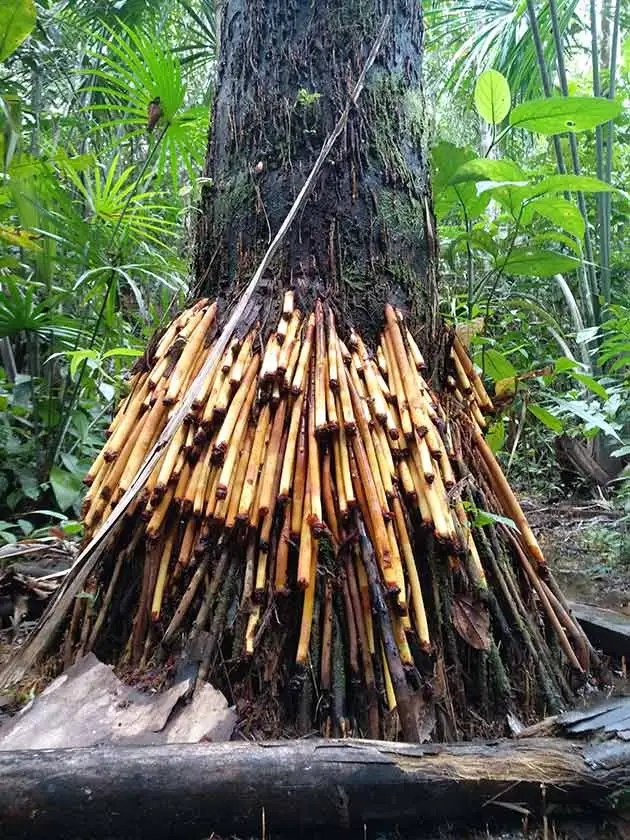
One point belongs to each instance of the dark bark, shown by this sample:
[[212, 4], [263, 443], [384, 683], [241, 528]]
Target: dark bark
[[194, 790], [365, 235], [608, 630]]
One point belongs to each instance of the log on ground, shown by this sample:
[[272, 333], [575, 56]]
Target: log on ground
[[608, 630], [193, 790]]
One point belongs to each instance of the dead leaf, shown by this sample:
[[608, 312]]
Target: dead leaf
[[505, 387], [472, 621], [468, 330]]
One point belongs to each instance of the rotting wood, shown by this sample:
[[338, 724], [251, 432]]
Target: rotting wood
[[607, 630], [197, 790]]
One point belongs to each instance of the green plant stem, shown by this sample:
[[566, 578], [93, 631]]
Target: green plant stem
[[499, 275], [564, 87], [610, 132], [67, 410], [544, 75], [599, 143]]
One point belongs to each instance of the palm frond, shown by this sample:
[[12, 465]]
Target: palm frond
[[493, 33]]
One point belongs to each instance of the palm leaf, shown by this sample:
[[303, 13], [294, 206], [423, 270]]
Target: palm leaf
[[493, 33]]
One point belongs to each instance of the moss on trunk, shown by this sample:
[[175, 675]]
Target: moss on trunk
[[364, 237]]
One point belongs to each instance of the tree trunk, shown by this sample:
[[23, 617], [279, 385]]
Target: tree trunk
[[195, 791], [365, 237], [310, 541]]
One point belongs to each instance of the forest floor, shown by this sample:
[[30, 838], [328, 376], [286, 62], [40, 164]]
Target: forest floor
[[587, 545]]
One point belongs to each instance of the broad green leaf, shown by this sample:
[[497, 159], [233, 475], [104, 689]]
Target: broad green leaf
[[495, 436], [496, 366], [623, 361], [17, 21], [550, 420], [26, 526], [592, 384], [484, 240], [509, 196], [556, 237], [486, 169], [133, 352], [590, 417], [79, 356], [485, 517], [492, 96], [446, 158], [563, 364], [477, 240], [66, 487], [513, 194], [569, 183], [72, 528], [561, 212], [564, 113], [530, 262], [30, 485]]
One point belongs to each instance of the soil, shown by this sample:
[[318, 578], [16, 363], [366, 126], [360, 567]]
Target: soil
[[587, 545]]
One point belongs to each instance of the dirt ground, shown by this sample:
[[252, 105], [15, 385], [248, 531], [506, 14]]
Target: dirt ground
[[587, 545]]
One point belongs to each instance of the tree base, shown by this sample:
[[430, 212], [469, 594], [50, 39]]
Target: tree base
[[325, 538]]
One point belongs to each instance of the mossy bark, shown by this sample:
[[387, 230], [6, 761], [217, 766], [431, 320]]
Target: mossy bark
[[365, 237]]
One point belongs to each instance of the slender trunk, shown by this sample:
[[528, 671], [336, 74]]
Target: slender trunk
[[604, 47], [365, 237]]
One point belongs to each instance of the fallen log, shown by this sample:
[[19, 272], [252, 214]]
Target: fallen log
[[194, 790], [607, 630]]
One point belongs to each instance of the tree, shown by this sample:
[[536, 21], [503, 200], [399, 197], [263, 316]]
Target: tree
[[323, 536], [366, 237]]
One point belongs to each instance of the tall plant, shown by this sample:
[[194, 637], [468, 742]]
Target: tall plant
[[516, 229]]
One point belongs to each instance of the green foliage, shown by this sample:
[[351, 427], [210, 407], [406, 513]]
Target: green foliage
[[135, 69], [550, 420], [306, 98], [492, 97], [92, 211], [559, 114], [555, 347], [17, 21], [561, 213], [470, 36], [527, 261]]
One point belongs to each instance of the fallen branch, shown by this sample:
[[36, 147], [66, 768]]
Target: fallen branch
[[195, 790]]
